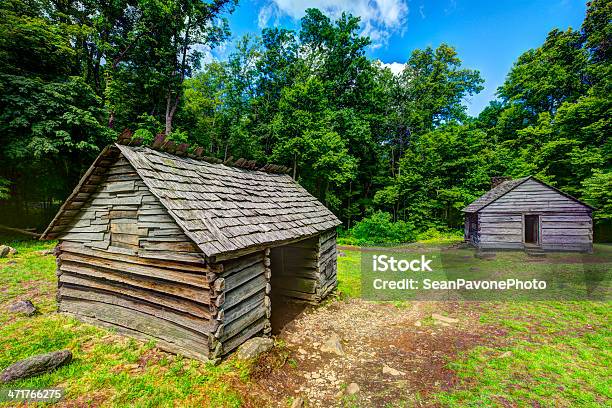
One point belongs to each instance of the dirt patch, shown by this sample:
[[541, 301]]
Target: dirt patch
[[412, 347]]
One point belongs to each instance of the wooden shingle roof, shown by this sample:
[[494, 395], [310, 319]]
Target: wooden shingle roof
[[225, 209], [493, 194], [507, 186]]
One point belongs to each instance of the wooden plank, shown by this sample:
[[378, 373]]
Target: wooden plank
[[243, 336], [294, 283], [118, 186], [238, 278], [145, 270], [178, 246], [587, 232], [173, 256], [565, 225], [567, 218], [79, 249], [83, 236], [243, 322], [244, 291], [181, 305], [129, 214], [204, 326], [241, 308], [169, 288], [130, 227], [137, 321], [125, 239], [238, 264]]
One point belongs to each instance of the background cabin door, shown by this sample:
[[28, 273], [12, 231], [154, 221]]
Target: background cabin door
[[532, 229]]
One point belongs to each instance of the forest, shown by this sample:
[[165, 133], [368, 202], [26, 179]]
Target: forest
[[392, 153]]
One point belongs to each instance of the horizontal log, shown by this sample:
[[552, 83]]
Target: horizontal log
[[244, 291], [169, 288], [238, 278], [178, 246], [565, 225], [587, 232], [236, 265], [148, 325], [200, 325], [232, 329], [294, 284], [257, 327], [80, 249], [187, 257], [567, 218], [187, 278], [244, 306], [182, 305]]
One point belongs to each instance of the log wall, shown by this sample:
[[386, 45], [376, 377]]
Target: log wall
[[565, 225], [123, 263]]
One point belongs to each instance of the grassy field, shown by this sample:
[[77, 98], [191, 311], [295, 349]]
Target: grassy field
[[551, 354]]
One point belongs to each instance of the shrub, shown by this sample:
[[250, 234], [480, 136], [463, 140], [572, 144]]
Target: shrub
[[379, 229]]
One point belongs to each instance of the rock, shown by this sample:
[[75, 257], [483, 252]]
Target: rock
[[22, 306], [444, 319], [418, 323], [45, 252], [254, 347], [341, 254], [505, 355], [333, 345], [39, 364], [12, 251], [298, 402], [4, 251], [352, 389], [392, 371]]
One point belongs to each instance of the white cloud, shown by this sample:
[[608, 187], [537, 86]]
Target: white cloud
[[395, 67], [379, 18], [422, 11]]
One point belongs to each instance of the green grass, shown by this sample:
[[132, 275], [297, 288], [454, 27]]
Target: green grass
[[559, 352], [107, 369]]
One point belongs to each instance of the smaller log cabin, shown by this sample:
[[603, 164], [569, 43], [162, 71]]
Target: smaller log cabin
[[188, 252], [527, 213]]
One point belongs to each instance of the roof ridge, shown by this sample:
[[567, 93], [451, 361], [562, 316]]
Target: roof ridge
[[162, 144]]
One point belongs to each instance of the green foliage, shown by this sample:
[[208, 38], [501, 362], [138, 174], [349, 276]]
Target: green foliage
[[379, 229], [598, 193], [4, 188]]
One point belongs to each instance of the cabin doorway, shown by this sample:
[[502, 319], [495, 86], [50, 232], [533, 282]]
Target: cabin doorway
[[532, 230], [293, 267]]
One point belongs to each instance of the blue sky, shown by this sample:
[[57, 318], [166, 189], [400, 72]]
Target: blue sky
[[488, 35]]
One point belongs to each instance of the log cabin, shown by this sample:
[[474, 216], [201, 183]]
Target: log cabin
[[528, 214], [187, 252]]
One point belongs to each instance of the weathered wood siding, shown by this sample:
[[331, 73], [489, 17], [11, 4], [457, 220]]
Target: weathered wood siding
[[567, 231], [565, 224], [124, 263], [244, 304]]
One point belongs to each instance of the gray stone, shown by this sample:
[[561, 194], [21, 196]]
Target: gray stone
[[4, 251], [12, 251], [22, 306], [352, 389], [444, 319], [298, 402], [333, 345], [391, 371], [36, 365], [254, 347]]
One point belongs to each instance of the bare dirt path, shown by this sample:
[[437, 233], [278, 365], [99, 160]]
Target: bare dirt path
[[396, 354]]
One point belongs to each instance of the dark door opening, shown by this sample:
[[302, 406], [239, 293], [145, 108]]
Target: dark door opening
[[532, 229]]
